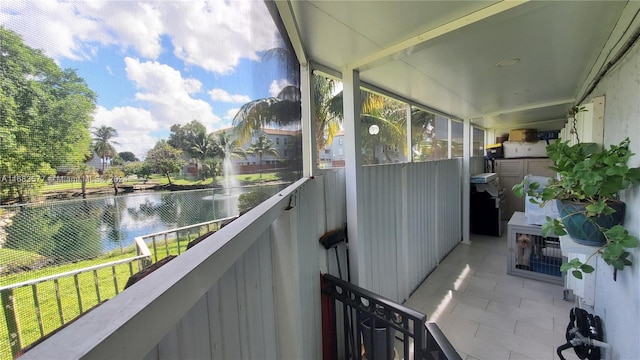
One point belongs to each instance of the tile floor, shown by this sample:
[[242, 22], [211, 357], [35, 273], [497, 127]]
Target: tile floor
[[487, 314]]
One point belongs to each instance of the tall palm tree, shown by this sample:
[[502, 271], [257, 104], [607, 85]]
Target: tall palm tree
[[262, 146], [102, 143], [284, 109], [203, 146], [228, 147]]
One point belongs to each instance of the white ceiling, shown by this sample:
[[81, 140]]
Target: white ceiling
[[443, 54]]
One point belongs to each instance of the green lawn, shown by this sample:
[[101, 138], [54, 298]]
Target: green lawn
[[108, 285], [110, 280]]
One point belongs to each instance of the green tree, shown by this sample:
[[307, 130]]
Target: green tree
[[262, 146], [203, 146], [128, 156], [211, 168], [183, 137], [84, 172], [45, 113], [228, 147], [165, 159], [114, 175], [282, 110], [102, 143], [32, 229], [248, 201], [139, 168], [79, 234]]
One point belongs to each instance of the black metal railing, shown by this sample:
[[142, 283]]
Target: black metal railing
[[374, 328]]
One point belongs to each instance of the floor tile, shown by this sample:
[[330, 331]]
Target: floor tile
[[488, 314], [515, 343]]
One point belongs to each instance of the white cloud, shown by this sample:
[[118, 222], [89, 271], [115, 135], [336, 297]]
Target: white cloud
[[216, 35], [223, 96], [133, 126], [211, 35], [277, 86], [168, 94]]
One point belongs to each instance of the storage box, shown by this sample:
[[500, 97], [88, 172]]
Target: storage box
[[518, 149], [548, 135], [495, 151], [524, 135]]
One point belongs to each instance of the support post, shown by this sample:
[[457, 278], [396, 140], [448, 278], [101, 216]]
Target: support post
[[11, 318], [354, 177], [466, 186]]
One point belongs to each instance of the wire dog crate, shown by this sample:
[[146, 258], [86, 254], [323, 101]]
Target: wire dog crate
[[530, 254]]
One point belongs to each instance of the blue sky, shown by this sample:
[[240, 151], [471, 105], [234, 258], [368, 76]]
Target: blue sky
[[156, 63]]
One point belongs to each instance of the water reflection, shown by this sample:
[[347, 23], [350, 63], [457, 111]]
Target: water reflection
[[126, 217]]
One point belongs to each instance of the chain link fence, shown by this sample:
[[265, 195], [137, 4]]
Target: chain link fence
[[53, 237]]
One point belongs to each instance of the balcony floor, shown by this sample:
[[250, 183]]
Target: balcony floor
[[487, 314]]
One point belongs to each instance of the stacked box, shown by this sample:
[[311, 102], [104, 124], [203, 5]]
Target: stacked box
[[522, 135]]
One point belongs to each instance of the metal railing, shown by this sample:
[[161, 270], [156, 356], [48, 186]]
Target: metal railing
[[175, 241], [164, 243], [65, 310], [373, 327]]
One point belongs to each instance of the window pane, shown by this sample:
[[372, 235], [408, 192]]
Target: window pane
[[129, 96], [457, 143], [478, 142], [383, 129], [328, 117], [429, 136]]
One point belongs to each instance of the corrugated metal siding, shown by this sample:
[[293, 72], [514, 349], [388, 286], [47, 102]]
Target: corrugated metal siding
[[449, 185], [382, 209], [236, 318], [422, 245], [413, 219], [332, 216]]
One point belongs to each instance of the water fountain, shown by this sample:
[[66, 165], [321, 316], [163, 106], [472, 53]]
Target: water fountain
[[230, 187]]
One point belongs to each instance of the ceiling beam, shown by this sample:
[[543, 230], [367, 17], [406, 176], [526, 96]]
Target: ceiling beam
[[527, 107], [393, 51]]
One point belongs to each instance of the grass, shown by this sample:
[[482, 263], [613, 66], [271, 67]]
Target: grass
[[108, 284], [12, 258]]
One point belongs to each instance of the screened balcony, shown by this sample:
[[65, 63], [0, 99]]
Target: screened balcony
[[252, 289]]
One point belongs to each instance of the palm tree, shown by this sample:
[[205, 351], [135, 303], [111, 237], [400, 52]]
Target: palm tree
[[102, 143], [228, 147], [284, 109], [203, 146], [84, 172], [391, 118], [262, 146]]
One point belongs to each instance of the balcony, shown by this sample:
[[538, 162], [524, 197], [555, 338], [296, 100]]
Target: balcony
[[252, 289]]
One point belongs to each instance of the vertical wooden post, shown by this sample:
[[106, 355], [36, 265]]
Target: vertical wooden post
[[11, 317]]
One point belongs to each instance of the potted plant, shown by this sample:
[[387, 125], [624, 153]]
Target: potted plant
[[587, 194]]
